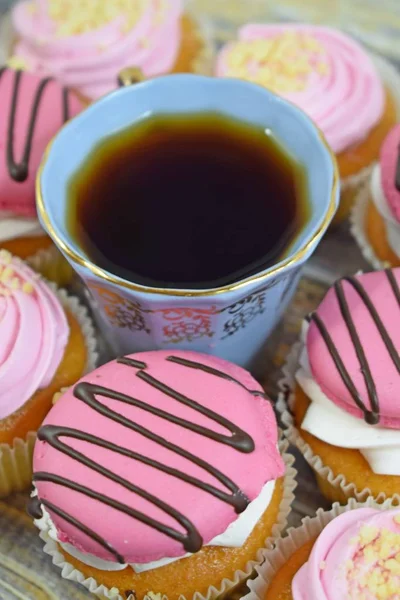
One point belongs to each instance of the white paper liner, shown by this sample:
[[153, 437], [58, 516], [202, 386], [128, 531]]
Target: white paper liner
[[204, 61], [69, 572], [297, 537], [357, 228], [284, 405], [52, 265], [16, 459], [391, 79]]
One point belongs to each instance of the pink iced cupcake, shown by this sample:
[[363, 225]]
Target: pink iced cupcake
[[33, 109], [160, 472], [47, 342], [85, 46], [349, 553], [342, 384], [353, 99], [376, 216]]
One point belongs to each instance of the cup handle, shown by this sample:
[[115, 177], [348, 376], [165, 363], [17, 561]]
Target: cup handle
[[130, 76]]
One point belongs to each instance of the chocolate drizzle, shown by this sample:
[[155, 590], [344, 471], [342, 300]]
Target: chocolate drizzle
[[393, 284], [195, 365], [87, 393], [371, 413], [34, 508], [397, 173], [19, 171]]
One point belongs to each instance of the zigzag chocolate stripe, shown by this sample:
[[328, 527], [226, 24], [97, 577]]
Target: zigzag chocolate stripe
[[371, 414], [87, 392], [20, 171]]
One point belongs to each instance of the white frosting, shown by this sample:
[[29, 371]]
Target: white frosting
[[331, 424], [12, 227], [234, 537], [391, 224]]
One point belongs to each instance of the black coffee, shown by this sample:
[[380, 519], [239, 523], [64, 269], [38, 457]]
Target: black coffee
[[191, 201]]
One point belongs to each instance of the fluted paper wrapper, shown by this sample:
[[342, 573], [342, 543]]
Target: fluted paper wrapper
[[52, 265], [357, 221], [334, 487], [203, 64], [16, 459], [227, 585], [296, 538]]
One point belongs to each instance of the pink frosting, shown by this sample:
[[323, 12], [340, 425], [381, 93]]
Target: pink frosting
[[90, 62], [134, 540], [356, 555], [19, 196], [383, 369], [345, 98], [389, 158], [33, 332]]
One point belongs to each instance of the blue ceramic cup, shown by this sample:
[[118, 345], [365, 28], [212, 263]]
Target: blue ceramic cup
[[233, 321]]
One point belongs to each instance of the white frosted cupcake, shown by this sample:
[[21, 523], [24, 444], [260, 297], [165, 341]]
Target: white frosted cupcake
[[339, 400], [161, 473], [376, 216]]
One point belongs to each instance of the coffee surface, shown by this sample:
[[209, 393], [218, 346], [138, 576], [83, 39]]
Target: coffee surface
[[193, 201]]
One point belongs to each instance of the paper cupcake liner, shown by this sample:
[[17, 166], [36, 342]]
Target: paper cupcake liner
[[203, 64], [334, 487], [52, 265], [16, 458], [357, 228], [310, 529], [227, 585]]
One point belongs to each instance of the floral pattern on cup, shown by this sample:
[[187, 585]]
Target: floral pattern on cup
[[120, 311], [187, 324]]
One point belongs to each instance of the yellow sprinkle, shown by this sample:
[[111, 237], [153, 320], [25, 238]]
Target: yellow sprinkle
[[5, 256], [27, 287], [15, 283], [322, 565], [4, 291], [281, 63], [59, 395], [393, 566], [7, 274], [17, 63], [323, 68], [368, 534], [76, 17]]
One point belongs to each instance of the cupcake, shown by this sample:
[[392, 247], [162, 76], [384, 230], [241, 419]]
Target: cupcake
[[85, 49], [46, 343], [32, 111], [349, 553], [330, 77], [376, 215], [160, 473], [341, 386]]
